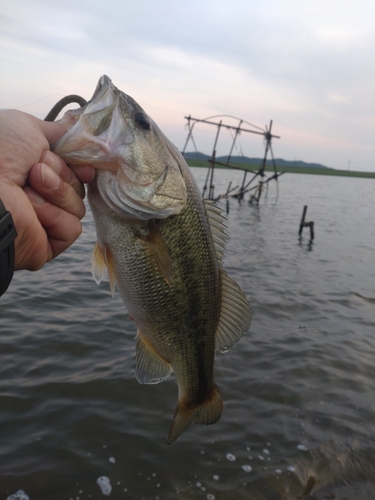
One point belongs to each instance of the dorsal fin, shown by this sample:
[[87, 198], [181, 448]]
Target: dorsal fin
[[216, 219], [235, 314]]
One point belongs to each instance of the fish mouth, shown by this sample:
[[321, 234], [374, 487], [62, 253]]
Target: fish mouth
[[96, 132], [102, 86], [137, 175]]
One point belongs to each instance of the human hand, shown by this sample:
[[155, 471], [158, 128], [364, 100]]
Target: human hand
[[37, 187]]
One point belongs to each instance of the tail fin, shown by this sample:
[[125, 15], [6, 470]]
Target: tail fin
[[206, 413]]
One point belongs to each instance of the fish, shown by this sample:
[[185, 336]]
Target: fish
[[161, 246]]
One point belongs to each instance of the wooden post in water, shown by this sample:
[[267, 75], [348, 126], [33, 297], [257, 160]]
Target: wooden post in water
[[302, 220], [306, 224]]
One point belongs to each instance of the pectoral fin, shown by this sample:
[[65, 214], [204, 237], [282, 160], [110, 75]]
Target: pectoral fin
[[158, 250], [150, 367], [102, 262]]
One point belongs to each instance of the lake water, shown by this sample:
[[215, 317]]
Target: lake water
[[299, 388]]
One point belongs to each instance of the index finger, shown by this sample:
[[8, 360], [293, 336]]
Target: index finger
[[61, 168]]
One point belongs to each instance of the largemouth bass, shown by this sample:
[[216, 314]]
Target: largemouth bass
[[162, 247]]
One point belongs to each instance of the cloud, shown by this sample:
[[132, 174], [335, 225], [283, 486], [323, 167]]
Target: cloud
[[308, 66]]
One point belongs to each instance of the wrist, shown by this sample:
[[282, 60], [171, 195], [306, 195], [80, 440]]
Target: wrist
[[8, 234], [8, 195]]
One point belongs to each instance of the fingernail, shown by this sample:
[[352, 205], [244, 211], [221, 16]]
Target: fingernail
[[92, 173], [51, 181], [85, 173], [52, 160]]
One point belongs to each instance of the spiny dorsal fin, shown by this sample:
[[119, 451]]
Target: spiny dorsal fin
[[235, 314], [216, 219], [158, 249], [150, 368]]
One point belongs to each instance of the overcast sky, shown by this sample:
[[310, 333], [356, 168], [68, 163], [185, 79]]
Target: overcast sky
[[307, 65]]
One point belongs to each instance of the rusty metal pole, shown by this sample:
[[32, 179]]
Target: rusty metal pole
[[212, 187], [234, 141]]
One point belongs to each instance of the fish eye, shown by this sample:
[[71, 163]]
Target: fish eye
[[142, 121]]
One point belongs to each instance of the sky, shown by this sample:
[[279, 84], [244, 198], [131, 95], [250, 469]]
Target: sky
[[307, 65]]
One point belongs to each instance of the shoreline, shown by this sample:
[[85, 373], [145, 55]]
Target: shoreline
[[289, 170]]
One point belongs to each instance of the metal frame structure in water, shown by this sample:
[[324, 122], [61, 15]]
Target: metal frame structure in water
[[238, 191]]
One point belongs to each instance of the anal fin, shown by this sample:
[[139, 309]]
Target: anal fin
[[150, 367]]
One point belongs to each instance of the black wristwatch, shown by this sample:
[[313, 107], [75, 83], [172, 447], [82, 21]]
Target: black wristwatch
[[8, 234]]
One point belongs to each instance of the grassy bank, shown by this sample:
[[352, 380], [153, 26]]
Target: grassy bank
[[293, 170]]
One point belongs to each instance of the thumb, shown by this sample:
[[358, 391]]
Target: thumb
[[52, 131]]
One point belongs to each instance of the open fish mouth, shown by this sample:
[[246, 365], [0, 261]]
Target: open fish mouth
[[138, 172], [96, 132]]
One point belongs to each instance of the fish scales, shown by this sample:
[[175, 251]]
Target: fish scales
[[163, 249], [180, 319]]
